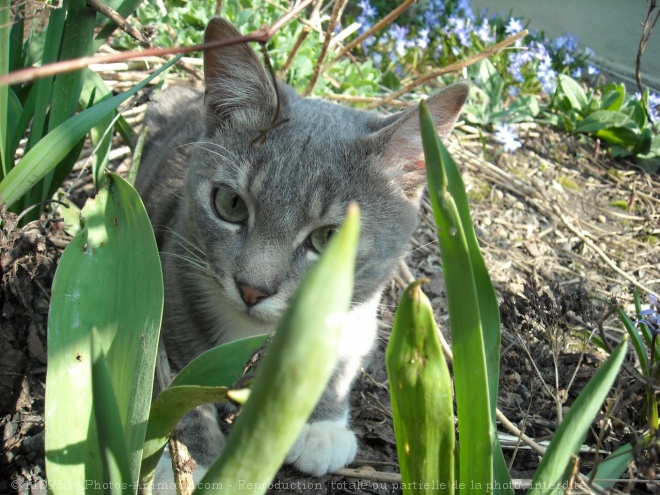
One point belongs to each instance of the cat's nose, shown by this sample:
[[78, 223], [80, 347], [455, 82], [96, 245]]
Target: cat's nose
[[252, 295]]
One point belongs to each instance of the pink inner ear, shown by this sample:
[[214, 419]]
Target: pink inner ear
[[415, 165]]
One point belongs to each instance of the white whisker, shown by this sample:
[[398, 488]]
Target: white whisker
[[192, 261]]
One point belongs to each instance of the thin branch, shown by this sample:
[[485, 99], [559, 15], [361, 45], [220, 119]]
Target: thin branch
[[455, 67], [301, 39], [261, 35], [375, 28], [122, 23], [326, 43], [647, 29]]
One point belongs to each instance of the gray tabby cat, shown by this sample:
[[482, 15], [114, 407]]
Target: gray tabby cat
[[239, 221]]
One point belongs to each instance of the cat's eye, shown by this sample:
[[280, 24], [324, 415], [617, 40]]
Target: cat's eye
[[229, 205], [319, 239]]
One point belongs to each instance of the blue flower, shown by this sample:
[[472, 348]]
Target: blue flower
[[367, 10], [568, 59], [398, 35], [484, 33], [513, 91], [516, 60], [367, 16], [458, 27], [651, 316], [547, 75], [423, 39], [505, 134], [514, 26], [568, 42], [592, 70], [464, 5], [654, 106], [577, 73]]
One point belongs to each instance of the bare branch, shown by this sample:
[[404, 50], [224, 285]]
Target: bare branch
[[123, 24], [375, 28], [455, 67], [647, 29]]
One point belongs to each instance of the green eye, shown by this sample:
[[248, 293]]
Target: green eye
[[319, 239], [229, 205]]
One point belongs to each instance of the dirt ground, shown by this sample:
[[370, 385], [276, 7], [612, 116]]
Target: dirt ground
[[564, 230]]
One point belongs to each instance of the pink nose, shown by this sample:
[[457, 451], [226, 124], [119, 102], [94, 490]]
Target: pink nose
[[251, 295]]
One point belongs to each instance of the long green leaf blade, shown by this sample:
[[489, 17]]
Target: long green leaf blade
[[421, 392], [470, 374], [489, 314], [294, 371], [5, 34], [108, 278], [551, 474]]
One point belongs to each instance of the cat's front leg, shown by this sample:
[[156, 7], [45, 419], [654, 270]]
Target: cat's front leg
[[326, 442]]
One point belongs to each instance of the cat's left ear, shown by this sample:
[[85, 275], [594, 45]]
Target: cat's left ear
[[403, 151], [237, 84]]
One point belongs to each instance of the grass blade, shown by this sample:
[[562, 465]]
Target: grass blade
[[551, 475], [5, 36]]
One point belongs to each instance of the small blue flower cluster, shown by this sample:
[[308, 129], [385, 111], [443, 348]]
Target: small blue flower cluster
[[654, 105], [651, 316], [445, 29]]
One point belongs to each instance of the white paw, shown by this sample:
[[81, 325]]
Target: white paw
[[163, 483], [323, 447]]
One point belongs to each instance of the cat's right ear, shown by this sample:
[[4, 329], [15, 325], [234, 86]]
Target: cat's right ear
[[237, 85]]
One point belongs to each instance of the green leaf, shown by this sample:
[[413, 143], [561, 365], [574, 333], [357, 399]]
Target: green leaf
[[601, 119], [470, 372], [48, 152], [204, 369], [492, 83], [112, 443], [5, 32], [574, 93], [489, 311], [551, 475], [613, 99], [611, 469], [294, 371], [108, 278], [421, 392], [101, 133], [43, 87], [619, 136]]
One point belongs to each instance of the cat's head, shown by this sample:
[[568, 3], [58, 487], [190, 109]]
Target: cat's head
[[264, 209]]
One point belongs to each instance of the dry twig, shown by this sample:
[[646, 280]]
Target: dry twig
[[451, 68]]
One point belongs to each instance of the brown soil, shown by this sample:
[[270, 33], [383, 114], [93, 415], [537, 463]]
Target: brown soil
[[564, 230]]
